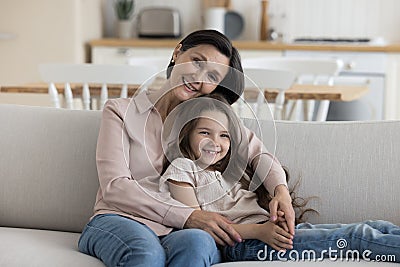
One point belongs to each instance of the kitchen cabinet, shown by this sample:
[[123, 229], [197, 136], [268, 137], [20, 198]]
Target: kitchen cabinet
[[114, 51], [121, 55]]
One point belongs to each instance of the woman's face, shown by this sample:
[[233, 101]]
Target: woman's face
[[210, 140], [197, 71]]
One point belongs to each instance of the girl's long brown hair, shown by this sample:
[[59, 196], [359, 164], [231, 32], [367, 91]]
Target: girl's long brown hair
[[299, 203]]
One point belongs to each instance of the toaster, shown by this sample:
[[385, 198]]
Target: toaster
[[159, 22]]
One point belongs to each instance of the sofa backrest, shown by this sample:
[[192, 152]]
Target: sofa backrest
[[48, 175], [352, 167]]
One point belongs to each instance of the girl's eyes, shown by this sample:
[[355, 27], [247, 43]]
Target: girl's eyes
[[222, 135]]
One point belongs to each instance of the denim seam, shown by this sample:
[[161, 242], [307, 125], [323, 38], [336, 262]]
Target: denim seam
[[108, 232], [121, 262], [373, 242]]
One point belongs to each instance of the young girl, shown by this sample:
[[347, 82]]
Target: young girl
[[200, 167]]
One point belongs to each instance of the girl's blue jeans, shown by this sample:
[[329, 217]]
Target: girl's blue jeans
[[120, 241], [370, 240]]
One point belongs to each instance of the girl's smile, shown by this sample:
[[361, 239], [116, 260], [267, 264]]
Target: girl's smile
[[210, 140]]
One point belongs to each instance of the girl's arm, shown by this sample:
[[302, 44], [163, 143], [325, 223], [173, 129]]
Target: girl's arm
[[269, 233], [218, 226], [184, 193]]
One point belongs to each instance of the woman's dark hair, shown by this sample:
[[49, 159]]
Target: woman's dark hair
[[232, 86]]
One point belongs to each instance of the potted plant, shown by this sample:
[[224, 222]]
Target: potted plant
[[124, 11]]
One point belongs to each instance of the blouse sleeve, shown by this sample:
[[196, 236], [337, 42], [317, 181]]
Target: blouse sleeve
[[266, 165], [180, 170], [184, 171], [119, 189]]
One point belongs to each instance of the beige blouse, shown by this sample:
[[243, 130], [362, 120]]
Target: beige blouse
[[213, 193], [129, 160]]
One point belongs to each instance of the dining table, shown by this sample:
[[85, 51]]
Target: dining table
[[296, 92]]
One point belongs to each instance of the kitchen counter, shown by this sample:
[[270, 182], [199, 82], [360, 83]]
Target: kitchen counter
[[251, 45]]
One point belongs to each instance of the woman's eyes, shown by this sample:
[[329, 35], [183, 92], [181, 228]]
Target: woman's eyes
[[225, 136], [204, 133], [199, 64], [212, 77]]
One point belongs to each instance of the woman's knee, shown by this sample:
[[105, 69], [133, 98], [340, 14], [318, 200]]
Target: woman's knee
[[118, 241], [200, 240]]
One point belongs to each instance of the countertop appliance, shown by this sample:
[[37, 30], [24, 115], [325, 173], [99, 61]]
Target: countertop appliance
[[359, 69], [160, 22]]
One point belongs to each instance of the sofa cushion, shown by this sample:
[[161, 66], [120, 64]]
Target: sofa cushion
[[48, 167], [26, 247]]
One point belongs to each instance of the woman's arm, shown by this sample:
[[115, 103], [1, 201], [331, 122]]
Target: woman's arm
[[270, 171], [269, 233], [121, 191]]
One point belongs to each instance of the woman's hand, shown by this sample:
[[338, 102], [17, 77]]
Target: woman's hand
[[275, 236], [283, 202], [216, 225]]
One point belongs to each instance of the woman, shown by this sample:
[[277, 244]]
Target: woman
[[134, 224]]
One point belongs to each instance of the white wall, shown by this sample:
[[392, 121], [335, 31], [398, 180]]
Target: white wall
[[44, 31], [295, 18]]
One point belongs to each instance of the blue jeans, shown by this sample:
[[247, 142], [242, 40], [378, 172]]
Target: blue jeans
[[120, 241], [370, 240]]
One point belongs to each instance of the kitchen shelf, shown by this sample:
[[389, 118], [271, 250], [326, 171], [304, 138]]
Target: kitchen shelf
[[250, 45]]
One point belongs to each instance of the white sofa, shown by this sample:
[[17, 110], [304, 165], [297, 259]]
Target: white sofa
[[48, 178]]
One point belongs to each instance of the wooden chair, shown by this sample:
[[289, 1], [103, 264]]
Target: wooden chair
[[256, 81], [308, 71], [91, 74]]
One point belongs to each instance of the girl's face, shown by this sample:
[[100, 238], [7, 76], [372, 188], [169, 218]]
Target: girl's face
[[210, 140], [197, 71]]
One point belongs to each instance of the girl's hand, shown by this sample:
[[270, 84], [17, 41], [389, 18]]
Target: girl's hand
[[275, 236]]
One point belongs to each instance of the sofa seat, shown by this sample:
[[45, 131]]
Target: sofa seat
[[25, 247]]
